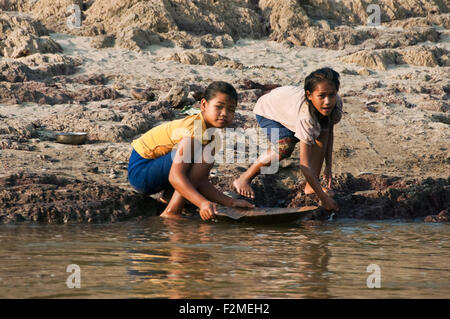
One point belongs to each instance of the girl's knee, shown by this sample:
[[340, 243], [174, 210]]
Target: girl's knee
[[286, 146]]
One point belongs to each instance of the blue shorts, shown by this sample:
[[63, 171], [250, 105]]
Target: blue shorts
[[283, 131], [149, 176]]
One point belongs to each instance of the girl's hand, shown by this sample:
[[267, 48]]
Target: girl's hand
[[207, 210], [241, 203], [327, 176], [329, 204]]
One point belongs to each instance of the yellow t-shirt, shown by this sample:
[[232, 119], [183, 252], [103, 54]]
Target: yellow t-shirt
[[161, 139]]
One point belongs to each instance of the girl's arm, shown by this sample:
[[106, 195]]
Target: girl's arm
[[204, 191], [179, 170], [329, 156], [306, 168]]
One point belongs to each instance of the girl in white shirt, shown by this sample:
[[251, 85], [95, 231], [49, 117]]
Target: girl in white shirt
[[307, 116]]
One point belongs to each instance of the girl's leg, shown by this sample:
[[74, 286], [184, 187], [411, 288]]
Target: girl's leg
[[198, 173], [242, 184], [318, 156], [166, 195], [286, 146]]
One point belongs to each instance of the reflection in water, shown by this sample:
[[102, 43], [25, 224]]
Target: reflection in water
[[159, 258], [251, 262]]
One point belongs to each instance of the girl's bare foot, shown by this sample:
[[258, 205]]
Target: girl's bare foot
[[309, 190], [169, 214], [243, 187]]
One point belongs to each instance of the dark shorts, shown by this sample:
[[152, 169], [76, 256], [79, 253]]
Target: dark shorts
[[271, 124], [149, 176], [286, 138]]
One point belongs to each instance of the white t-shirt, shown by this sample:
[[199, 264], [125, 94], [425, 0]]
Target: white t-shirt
[[288, 106]]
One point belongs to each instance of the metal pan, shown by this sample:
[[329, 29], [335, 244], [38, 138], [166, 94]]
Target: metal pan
[[264, 215]]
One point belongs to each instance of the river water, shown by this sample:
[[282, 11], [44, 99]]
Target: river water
[[158, 258]]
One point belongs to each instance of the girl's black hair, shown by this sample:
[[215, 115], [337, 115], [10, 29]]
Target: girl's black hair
[[324, 74], [222, 87]]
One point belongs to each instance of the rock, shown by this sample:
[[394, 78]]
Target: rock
[[236, 18], [416, 55], [250, 96], [197, 57], [100, 124], [216, 42], [337, 39], [12, 21], [31, 91], [94, 93], [137, 19], [47, 71], [54, 14], [247, 84], [136, 39], [442, 20], [18, 129], [284, 16], [189, 41], [141, 94], [164, 114], [371, 108], [228, 64], [39, 60], [22, 36], [401, 38], [42, 93], [376, 59], [13, 142], [364, 71], [177, 97], [425, 56], [349, 72], [103, 41], [442, 217], [16, 72], [20, 44], [90, 79]]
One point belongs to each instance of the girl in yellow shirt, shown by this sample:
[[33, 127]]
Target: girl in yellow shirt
[[166, 156]]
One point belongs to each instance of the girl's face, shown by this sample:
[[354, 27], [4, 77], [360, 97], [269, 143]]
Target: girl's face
[[219, 111], [324, 97]]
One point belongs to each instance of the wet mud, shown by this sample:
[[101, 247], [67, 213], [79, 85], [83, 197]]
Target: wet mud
[[51, 199], [368, 196]]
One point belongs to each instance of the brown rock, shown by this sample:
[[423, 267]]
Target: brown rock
[[197, 57], [376, 59], [416, 55], [177, 97], [21, 36], [142, 94], [103, 41], [228, 64], [133, 38]]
